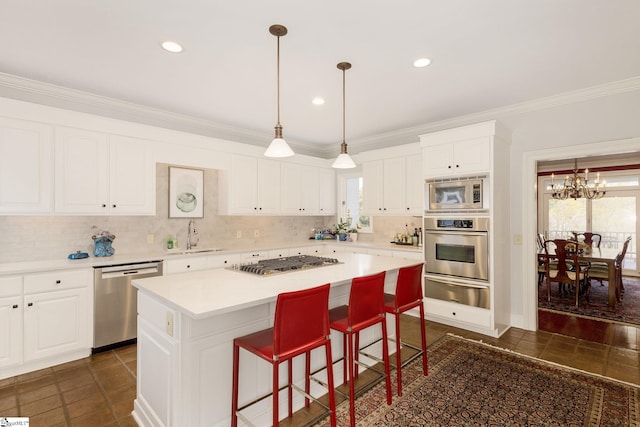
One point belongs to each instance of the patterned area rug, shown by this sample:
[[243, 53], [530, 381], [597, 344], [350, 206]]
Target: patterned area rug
[[474, 384], [626, 311]]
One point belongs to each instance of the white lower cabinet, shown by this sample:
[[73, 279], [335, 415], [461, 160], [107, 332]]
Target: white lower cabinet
[[10, 321], [182, 265], [469, 317], [44, 320], [55, 323]]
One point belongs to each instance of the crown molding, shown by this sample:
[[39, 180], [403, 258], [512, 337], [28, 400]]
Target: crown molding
[[410, 135], [24, 89]]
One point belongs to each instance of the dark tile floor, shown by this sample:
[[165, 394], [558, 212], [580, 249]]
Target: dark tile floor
[[99, 390], [96, 391]]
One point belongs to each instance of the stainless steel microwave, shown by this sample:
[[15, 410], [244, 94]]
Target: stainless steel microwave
[[455, 194]]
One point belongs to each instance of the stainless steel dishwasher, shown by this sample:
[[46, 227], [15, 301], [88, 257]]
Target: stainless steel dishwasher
[[115, 303]]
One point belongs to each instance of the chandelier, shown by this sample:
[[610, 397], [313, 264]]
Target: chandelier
[[577, 187]]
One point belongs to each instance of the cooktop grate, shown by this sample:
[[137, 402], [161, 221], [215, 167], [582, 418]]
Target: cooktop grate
[[287, 264]]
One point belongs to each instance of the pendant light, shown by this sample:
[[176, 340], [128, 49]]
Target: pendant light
[[278, 147], [343, 161]]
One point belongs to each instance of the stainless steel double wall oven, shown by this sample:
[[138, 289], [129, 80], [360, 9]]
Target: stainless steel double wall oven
[[457, 259]]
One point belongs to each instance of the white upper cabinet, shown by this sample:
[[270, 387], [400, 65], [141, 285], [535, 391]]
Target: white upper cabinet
[[132, 179], [97, 173], [26, 167], [327, 192], [384, 186], [251, 186], [414, 204], [457, 158], [300, 190]]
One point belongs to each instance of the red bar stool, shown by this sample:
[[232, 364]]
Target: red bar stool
[[408, 295], [301, 324], [365, 309]]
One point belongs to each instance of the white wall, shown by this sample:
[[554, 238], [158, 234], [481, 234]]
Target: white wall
[[596, 126]]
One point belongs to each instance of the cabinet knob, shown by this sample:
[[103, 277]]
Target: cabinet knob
[[113, 206], [384, 209], [454, 313], [188, 266], [30, 304], [449, 167], [58, 282], [104, 205], [15, 306], [457, 166], [255, 209]]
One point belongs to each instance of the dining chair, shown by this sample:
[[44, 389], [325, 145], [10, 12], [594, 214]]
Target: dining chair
[[563, 274], [365, 309], [591, 239], [600, 271], [301, 324]]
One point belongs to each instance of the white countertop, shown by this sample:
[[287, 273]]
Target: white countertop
[[207, 293], [65, 264]]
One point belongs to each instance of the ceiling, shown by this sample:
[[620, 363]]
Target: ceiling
[[485, 54]]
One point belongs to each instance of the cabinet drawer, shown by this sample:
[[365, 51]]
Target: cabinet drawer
[[459, 312], [183, 265], [55, 281], [221, 261], [10, 286]]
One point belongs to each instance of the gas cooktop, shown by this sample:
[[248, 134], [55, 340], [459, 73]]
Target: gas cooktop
[[286, 264]]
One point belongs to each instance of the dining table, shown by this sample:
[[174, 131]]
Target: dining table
[[605, 255]]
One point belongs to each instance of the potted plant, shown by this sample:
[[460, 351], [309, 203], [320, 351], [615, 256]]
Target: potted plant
[[341, 230], [353, 235]]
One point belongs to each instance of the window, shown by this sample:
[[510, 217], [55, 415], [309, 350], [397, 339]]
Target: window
[[350, 202]]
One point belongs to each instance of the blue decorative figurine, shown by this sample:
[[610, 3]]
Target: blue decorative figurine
[[103, 244]]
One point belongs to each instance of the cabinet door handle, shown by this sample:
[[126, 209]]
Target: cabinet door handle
[[30, 304], [58, 282], [15, 306]]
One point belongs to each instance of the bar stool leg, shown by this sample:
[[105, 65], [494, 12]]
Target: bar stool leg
[[234, 388], [423, 333], [398, 355], [352, 394], [385, 358]]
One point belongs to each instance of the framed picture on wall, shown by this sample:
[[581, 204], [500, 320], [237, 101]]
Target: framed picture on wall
[[186, 193]]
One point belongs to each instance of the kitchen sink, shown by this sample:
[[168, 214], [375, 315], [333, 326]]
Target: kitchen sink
[[192, 251]]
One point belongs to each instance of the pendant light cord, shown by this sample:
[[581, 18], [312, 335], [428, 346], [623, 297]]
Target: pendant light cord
[[344, 103], [278, 81]]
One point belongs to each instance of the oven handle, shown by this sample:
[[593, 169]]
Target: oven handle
[[452, 281], [455, 233]]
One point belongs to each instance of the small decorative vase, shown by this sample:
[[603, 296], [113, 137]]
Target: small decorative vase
[[342, 237], [353, 237]]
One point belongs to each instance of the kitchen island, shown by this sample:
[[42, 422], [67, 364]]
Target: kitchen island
[[187, 323]]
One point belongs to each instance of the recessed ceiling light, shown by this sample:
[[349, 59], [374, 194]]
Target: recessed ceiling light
[[421, 62], [317, 101], [171, 46]]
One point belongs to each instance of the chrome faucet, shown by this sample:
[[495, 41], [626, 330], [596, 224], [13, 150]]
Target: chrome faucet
[[192, 235]]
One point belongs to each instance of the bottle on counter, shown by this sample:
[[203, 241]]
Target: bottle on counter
[[169, 242]]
